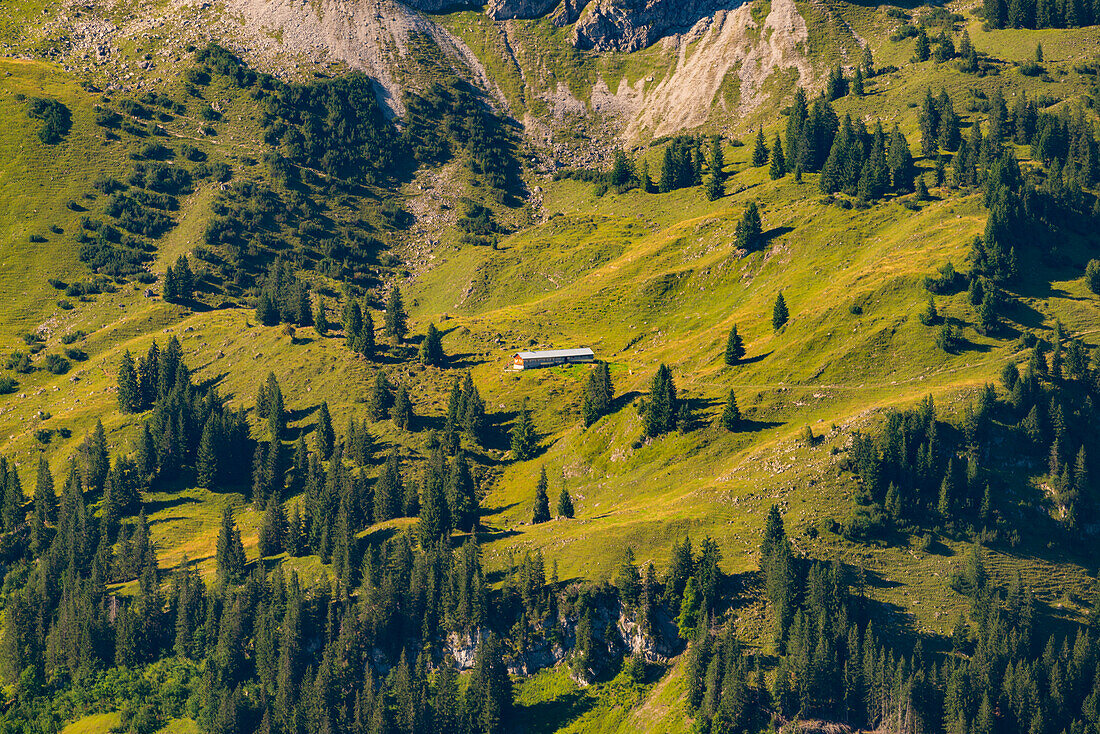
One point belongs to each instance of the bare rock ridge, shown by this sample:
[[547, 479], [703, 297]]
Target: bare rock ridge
[[601, 25], [631, 25]]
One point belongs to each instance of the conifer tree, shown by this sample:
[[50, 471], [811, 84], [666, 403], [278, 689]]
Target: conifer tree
[[320, 319], [96, 460], [431, 349], [396, 322], [402, 411], [735, 347], [688, 619], [565, 503], [129, 394], [541, 512], [731, 415], [324, 435], [857, 82], [353, 322], [760, 149], [778, 168], [661, 408], [922, 50], [524, 440], [388, 490], [749, 232], [715, 182], [273, 530], [780, 315], [206, 460], [598, 394], [229, 554]]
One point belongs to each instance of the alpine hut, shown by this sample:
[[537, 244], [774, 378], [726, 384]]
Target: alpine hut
[[534, 360]]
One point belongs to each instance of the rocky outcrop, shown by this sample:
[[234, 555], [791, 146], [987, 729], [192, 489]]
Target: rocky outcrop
[[630, 25], [512, 9]]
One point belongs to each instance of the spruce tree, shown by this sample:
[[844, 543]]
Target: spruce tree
[[353, 323], [541, 512], [760, 149], [206, 460], [598, 393], [431, 348], [364, 342], [749, 232], [735, 347], [857, 82], [716, 183], [320, 319], [780, 315], [324, 435], [402, 411], [565, 503], [229, 554], [778, 168], [922, 50], [524, 440], [731, 415], [661, 408], [396, 322], [129, 394]]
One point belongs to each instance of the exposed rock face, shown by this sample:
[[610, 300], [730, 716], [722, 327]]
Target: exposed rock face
[[630, 25], [510, 9]]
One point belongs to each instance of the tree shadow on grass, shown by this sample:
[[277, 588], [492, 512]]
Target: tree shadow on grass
[[555, 714], [498, 510], [754, 359], [152, 507]]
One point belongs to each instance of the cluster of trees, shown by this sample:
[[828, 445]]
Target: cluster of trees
[[867, 165], [1040, 13], [284, 297], [451, 116], [919, 467], [179, 282]]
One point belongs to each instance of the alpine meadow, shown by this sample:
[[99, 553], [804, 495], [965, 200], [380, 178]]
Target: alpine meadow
[[537, 366]]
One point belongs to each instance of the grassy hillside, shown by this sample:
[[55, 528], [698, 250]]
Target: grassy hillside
[[643, 279]]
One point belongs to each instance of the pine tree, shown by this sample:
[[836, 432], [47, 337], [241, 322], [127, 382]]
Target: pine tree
[[598, 394], [661, 408], [688, 619], [324, 435], [780, 314], [396, 322], [364, 342], [715, 183], [431, 349], [353, 323], [402, 411], [565, 503], [273, 530], [320, 319], [778, 168], [206, 460], [735, 347], [731, 415], [96, 460], [541, 512], [229, 554], [857, 82], [922, 50], [185, 281], [760, 149], [749, 232], [524, 440], [129, 394]]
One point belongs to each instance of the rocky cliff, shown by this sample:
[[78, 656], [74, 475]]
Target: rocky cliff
[[630, 25]]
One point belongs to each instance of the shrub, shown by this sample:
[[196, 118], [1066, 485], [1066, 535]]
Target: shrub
[[55, 119], [56, 364], [75, 354], [58, 284], [73, 336], [949, 339], [947, 280], [66, 305], [20, 362], [37, 238], [7, 385]]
